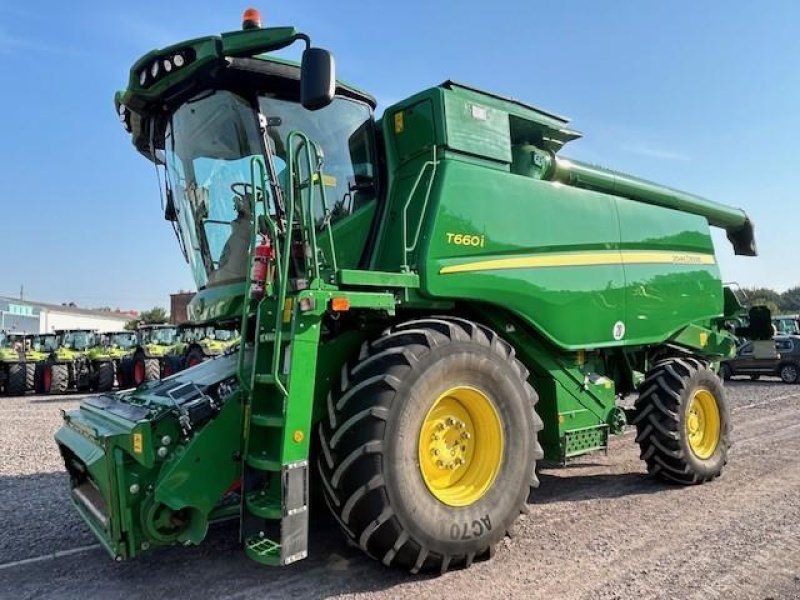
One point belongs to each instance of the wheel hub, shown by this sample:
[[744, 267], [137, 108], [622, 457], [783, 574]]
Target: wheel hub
[[451, 443], [460, 446], [703, 423]]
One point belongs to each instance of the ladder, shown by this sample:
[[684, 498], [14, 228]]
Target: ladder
[[278, 383]]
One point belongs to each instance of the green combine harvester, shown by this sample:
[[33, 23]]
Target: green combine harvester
[[79, 361], [19, 354], [430, 303], [145, 362]]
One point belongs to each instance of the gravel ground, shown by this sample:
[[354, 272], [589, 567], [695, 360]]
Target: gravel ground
[[598, 528]]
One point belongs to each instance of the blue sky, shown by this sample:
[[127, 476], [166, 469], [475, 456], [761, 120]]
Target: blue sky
[[700, 96]]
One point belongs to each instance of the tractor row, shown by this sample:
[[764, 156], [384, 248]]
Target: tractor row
[[86, 360]]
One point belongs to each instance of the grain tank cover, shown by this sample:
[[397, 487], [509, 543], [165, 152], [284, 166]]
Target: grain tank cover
[[525, 122]]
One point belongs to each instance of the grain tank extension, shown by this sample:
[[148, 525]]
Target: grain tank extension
[[430, 302]]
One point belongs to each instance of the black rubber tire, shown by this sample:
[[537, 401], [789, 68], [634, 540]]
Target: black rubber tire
[[151, 368], [660, 421], [125, 373], [368, 461], [194, 357], [725, 372], [104, 376], [30, 376], [789, 372], [755, 377], [59, 378], [172, 364], [15, 379], [37, 378]]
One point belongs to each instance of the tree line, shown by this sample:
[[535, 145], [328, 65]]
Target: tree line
[[778, 303]]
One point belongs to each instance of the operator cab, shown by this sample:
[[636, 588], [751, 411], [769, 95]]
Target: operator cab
[[206, 142]]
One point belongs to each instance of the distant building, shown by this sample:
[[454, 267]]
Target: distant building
[[177, 307], [40, 317]]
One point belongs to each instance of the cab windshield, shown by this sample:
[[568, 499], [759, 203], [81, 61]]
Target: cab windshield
[[122, 340], [164, 336], [45, 343], [209, 146], [78, 340], [225, 335]]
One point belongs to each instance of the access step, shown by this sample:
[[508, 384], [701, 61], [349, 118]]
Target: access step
[[266, 420], [263, 505], [262, 462], [263, 550]]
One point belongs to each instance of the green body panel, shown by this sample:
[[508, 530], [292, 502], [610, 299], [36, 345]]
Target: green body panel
[[588, 273]]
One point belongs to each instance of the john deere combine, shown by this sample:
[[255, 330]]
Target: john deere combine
[[79, 361], [429, 302]]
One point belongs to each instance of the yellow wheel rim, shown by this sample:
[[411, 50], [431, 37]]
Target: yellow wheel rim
[[703, 423], [460, 446]]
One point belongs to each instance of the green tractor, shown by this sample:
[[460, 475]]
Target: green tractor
[[79, 361], [196, 344], [19, 354], [120, 344], [146, 361], [430, 303]]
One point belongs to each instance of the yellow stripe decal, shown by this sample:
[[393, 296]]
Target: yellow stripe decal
[[584, 259]]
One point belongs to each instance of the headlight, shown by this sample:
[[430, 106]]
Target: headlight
[[167, 65], [178, 60], [154, 69], [143, 77]]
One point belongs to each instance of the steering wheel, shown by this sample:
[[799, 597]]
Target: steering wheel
[[246, 189]]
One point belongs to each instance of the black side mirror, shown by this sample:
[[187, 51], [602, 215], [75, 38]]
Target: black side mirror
[[170, 214], [317, 78]]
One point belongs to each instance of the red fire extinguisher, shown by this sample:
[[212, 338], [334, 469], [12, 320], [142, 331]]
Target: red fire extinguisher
[[263, 256]]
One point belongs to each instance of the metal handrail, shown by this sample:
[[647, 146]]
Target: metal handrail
[[406, 248], [282, 244]]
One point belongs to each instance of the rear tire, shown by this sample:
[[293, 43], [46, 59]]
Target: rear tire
[[38, 378], [57, 376], [15, 380], [104, 372], [145, 369], [682, 422], [374, 460], [125, 373], [172, 365], [789, 372], [30, 376]]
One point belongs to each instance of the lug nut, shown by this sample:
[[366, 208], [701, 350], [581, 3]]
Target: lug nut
[[450, 421], [465, 435], [134, 489], [435, 452], [166, 440], [440, 464], [162, 451]]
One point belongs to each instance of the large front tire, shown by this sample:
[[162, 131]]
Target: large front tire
[[104, 376], [399, 474], [55, 378], [15, 380], [145, 369], [30, 376], [682, 422]]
